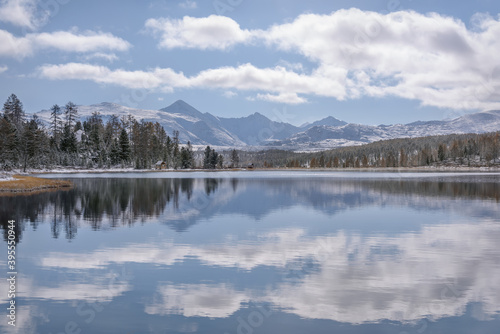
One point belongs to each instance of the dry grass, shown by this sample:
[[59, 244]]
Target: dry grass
[[23, 184]]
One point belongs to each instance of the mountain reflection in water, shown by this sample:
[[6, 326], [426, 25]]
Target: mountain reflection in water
[[317, 254]]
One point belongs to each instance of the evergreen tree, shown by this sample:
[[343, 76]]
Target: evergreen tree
[[13, 110], [175, 149], [214, 159], [114, 154], [207, 158], [68, 141], [220, 161], [186, 157], [442, 152], [55, 124], [8, 144], [29, 143], [124, 147], [71, 113], [235, 159]]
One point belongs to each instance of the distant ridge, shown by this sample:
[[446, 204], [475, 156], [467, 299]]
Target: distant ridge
[[259, 131]]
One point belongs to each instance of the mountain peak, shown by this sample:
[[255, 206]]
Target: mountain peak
[[183, 108], [181, 103], [329, 121]]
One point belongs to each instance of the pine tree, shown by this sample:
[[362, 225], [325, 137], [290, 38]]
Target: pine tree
[[68, 141], [186, 157], [56, 124], [214, 159], [71, 113], [441, 152], [8, 144], [175, 149], [124, 147], [235, 159], [207, 157], [13, 110], [30, 142], [114, 154]]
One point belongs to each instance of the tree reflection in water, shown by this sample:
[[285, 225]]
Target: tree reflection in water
[[115, 202]]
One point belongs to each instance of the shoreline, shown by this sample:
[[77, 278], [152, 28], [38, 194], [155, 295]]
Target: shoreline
[[29, 183], [360, 169]]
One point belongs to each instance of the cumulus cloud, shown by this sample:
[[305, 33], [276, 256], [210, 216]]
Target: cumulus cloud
[[89, 41], [11, 46], [212, 32], [86, 42], [439, 271], [3, 69], [157, 78], [197, 300], [21, 13], [244, 77], [287, 98], [431, 58]]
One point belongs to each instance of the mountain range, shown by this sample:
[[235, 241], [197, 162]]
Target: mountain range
[[258, 131]]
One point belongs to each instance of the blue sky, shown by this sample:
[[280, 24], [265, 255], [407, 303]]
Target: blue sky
[[370, 62]]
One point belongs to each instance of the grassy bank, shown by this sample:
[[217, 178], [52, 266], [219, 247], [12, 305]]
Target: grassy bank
[[22, 184]]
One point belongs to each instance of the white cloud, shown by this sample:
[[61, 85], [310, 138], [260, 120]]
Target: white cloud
[[244, 77], [21, 13], [431, 58], [157, 78], [89, 41], [188, 4], [229, 94], [212, 32], [287, 98], [110, 57], [11, 46], [3, 69], [197, 300], [439, 270]]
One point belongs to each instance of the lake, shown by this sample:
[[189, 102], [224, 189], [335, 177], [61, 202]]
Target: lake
[[257, 252]]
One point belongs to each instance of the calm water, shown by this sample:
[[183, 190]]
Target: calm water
[[257, 252]]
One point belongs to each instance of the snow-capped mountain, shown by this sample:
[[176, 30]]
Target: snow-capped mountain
[[324, 136], [328, 121], [200, 129], [258, 130]]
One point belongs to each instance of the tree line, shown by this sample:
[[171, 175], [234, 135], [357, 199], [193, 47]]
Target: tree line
[[468, 150], [126, 142], [67, 141]]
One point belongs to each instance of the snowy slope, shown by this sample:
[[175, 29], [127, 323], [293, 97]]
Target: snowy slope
[[257, 130], [191, 124], [356, 134]]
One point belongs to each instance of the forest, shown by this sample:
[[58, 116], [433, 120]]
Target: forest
[[124, 142], [66, 141], [456, 150]]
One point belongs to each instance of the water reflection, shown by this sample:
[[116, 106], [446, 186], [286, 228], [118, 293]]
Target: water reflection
[[320, 254], [110, 203]]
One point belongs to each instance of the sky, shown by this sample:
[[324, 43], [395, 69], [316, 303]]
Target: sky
[[361, 61]]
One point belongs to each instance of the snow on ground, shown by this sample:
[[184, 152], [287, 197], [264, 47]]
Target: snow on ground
[[6, 177]]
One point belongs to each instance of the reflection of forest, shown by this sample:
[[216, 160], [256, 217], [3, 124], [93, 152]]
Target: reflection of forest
[[104, 203]]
